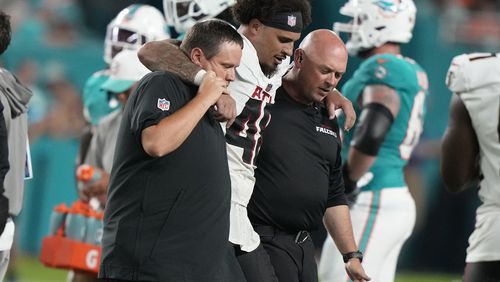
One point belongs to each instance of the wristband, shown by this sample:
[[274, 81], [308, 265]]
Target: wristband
[[199, 77], [357, 254]]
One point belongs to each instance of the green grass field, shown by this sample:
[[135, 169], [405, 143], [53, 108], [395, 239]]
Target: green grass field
[[30, 269], [427, 277]]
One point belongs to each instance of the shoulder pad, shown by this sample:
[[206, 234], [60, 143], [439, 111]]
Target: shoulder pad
[[390, 70], [470, 71]]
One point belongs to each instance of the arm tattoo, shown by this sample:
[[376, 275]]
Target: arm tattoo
[[167, 56]]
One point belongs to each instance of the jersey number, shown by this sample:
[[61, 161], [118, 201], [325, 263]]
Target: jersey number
[[245, 132], [416, 121]]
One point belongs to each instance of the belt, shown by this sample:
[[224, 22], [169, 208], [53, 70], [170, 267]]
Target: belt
[[299, 237]]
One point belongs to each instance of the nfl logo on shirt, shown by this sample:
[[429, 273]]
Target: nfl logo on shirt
[[163, 104], [269, 87], [292, 20]]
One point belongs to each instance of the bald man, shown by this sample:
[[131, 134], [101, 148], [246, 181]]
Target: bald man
[[298, 175]]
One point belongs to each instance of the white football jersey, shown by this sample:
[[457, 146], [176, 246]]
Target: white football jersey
[[476, 79], [253, 92]]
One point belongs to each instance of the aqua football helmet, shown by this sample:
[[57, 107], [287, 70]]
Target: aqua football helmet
[[375, 22], [132, 27], [183, 14]]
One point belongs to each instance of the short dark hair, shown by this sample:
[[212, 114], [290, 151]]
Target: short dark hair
[[209, 35], [246, 10], [5, 31]]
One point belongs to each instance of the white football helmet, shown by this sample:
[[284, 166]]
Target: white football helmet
[[132, 27], [375, 22], [183, 14]]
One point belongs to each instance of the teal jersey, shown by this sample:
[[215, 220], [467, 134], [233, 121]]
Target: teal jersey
[[181, 36], [409, 81], [96, 101]]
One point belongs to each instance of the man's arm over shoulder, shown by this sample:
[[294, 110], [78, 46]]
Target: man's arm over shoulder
[[460, 149], [335, 100], [165, 55]]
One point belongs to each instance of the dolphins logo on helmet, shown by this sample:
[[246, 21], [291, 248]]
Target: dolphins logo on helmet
[[375, 22], [132, 27], [183, 14]]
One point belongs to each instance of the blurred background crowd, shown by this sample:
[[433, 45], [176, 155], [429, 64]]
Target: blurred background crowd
[[58, 44]]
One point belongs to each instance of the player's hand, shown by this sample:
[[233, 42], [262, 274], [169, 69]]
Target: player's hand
[[97, 189], [355, 271], [212, 87], [335, 100], [225, 109]]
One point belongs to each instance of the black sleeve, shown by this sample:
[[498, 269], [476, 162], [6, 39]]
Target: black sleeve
[[336, 195], [374, 123], [156, 97], [4, 150], [4, 168]]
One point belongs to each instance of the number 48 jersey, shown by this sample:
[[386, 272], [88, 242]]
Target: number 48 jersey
[[409, 81]]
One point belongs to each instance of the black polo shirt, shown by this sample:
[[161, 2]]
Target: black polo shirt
[[4, 168], [166, 219], [298, 171]]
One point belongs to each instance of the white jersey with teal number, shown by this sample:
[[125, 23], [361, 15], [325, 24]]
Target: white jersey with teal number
[[409, 81]]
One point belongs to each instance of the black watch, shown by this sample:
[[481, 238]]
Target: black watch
[[357, 254]]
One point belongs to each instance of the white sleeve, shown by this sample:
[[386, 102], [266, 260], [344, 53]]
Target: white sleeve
[[471, 71]]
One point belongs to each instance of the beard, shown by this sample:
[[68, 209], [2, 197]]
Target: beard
[[269, 70]]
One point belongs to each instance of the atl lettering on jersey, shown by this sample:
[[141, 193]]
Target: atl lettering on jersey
[[262, 95]]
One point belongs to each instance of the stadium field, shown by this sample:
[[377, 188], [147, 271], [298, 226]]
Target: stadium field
[[29, 269]]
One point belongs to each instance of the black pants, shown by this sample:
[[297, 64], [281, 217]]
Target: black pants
[[486, 271], [291, 254], [231, 270], [256, 265]]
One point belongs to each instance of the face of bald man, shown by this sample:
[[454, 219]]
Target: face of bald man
[[321, 62]]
